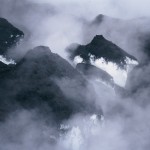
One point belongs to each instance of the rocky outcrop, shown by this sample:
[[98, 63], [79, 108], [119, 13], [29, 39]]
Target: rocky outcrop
[[98, 48], [9, 35]]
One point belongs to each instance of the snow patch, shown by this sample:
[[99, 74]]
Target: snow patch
[[7, 61], [119, 75], [78, 60]]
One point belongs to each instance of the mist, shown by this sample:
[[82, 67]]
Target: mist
[[57, 24]]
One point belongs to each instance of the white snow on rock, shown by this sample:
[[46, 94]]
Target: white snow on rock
[[7, 61], [119, 75]]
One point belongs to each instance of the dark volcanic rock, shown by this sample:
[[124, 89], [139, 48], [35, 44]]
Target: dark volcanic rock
[[9, 35], [43, 80], [101, 48], [4, 67]]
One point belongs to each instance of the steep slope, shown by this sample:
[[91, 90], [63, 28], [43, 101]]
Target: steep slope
[[102, 48], [95, 73], [43, 80], [104, 55]]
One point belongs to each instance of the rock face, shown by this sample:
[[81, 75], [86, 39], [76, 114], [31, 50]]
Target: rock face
[[102, 48], [93, 72], [9, 35], [104, 55], [43, 80]]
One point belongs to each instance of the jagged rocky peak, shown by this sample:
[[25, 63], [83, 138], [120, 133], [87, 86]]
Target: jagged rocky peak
[[97, 39], [110, 51], [102, 48], [105, 55], [9, 35]]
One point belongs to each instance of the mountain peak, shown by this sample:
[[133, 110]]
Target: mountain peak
[[39, 50], [97, 39], [100, 47]]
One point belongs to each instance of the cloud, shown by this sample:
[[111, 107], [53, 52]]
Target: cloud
[[122, 8]]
